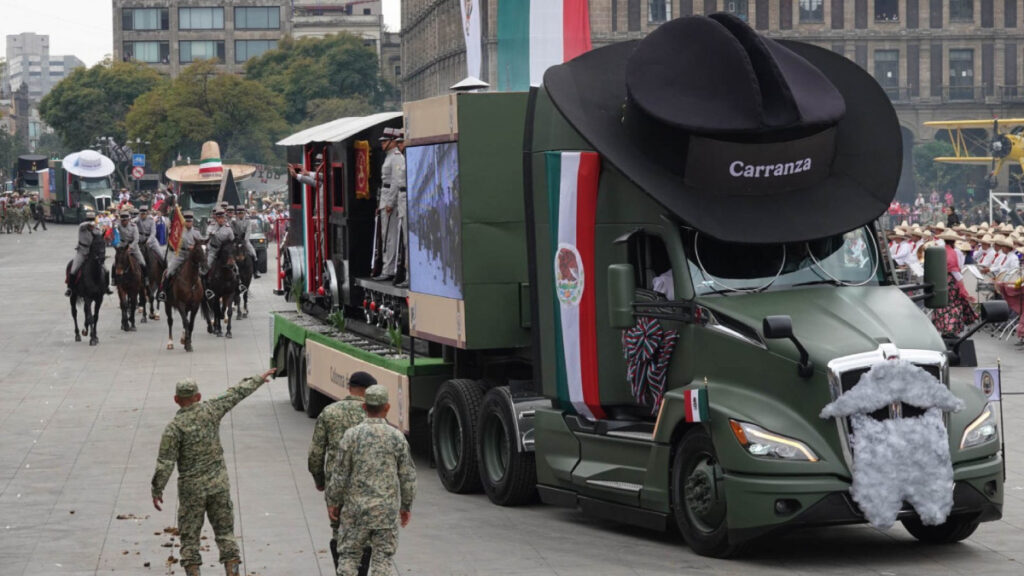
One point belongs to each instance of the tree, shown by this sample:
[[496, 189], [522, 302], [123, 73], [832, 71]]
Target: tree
[[93, 102], [324, 110], [338, 66], [10, 148], [203, 104], [51, 145]]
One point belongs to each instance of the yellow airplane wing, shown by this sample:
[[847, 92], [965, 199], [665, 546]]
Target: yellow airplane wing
[[975, 123], [978, 160]]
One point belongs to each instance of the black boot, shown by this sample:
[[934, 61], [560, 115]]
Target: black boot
[[334, 552]]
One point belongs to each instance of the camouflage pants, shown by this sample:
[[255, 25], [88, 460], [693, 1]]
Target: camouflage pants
[[384, 542], [218, 508]]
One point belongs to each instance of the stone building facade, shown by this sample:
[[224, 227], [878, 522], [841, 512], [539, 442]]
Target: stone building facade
[[937, 59]]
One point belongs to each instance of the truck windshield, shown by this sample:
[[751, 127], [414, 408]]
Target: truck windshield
[[94, 184], [723, 267]]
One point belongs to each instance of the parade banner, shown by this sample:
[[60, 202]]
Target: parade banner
[[362, 169], [471, 32], [536, 34], [572, 200], [177, 229]]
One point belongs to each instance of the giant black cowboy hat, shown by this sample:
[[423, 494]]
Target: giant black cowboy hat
[[745, 138]]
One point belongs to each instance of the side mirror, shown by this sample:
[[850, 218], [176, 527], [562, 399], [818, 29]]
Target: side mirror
[[621, 287], [935, 274], [995, 311], [779, 327]]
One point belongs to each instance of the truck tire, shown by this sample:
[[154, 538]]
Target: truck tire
[[261, 261], [699, 507], [294, 392], [453, 434], [954, 529], [313, 400], [508, 475]]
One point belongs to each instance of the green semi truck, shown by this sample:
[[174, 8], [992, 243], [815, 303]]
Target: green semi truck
[[574, 332], [81, 193]]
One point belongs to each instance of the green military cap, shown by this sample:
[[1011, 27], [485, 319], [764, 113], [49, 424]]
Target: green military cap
[[376, 395], [188, 387]]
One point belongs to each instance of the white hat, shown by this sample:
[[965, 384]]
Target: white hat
[[88, 163]]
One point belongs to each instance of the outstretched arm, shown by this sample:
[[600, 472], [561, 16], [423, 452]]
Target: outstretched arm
[[226, 401]]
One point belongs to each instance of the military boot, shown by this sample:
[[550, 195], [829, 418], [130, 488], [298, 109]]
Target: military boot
[[231, 568], [191, 570]]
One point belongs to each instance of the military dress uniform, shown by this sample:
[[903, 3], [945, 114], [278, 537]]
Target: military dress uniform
[[147, 234], [129, 234], [87, 234], [192, 442], [374, 479], [240, 227], [189, 237], [389, 200], [398, 177], [221, 237]]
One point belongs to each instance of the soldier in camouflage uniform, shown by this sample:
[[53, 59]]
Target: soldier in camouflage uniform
[[372, 487], [192, 442], [332, 424]]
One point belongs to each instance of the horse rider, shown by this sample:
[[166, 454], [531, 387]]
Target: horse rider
[[240, 226], [213, 225], [147, 232], [189, 237], [87, 234], [129, 234]]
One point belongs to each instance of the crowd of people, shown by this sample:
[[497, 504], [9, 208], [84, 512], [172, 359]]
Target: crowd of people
[[19, 212]]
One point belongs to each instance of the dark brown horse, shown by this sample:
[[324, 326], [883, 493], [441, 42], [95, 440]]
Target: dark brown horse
[[245, 268], [89, 286], [221, 286], [128, 279], [185, 294], [155, 267]]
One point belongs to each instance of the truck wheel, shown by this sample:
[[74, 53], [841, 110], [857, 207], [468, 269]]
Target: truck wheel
[[509, 476], [313, 400], [294, 392], [453, 433], [261, 261], [953, 530], [698, 500]]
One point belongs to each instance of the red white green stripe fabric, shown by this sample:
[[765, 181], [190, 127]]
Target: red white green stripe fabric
[[696, 405], [210, 167], [572, 201], [536, 34]]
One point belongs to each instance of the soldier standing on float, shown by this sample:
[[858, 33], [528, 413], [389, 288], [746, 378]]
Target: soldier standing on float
[[372, 488], [398, 176], [189, 239], [330, 427], [386, 206], [192, 442], [147, 232]]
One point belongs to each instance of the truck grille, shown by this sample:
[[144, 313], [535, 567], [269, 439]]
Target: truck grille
[[850, 378]]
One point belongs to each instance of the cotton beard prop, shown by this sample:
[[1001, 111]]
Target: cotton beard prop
[[900, 459]]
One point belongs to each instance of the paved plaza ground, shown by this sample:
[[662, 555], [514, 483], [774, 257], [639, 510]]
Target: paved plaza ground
[[80, 426]]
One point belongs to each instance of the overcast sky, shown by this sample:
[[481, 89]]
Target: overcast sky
[[84, 28]]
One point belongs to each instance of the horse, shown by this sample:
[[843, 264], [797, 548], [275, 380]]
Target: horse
[[155, 267], [185, 294], [245, 269], [221, 285], [128, 278], [90, 285]]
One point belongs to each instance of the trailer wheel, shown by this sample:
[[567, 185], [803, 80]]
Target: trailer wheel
[[453, 433], [509, 476], [313, 400], [954, 529], [294, 392], [698, 500], [261, 261]]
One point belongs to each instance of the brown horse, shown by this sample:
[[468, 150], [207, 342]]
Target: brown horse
[[155, 267], [185, 294], [128, 279], [221, 286]]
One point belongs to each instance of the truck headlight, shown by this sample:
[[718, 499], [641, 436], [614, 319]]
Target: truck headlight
[[761, 443], [982, 430]]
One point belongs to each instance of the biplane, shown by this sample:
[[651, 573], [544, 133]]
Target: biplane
[[1001, 147]]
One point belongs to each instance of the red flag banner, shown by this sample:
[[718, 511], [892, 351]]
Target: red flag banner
[[362, 169], [177, 229]]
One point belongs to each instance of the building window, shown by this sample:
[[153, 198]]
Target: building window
[[961, 10], [192, 50], [659, 10], [961, 74], [200, 18], [253, 18], [812, 11], [144, 19], [737, 8], [246, 49], [887, 11], [633, 15], [148, 52], [398, 71], [887, 72], [367, 12]]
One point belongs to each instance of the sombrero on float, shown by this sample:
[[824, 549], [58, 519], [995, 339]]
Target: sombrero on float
[[722, 125], [210, 169], [88, 164]]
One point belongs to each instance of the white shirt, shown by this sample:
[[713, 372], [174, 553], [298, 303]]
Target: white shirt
[[904, 252], [665, 284]]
